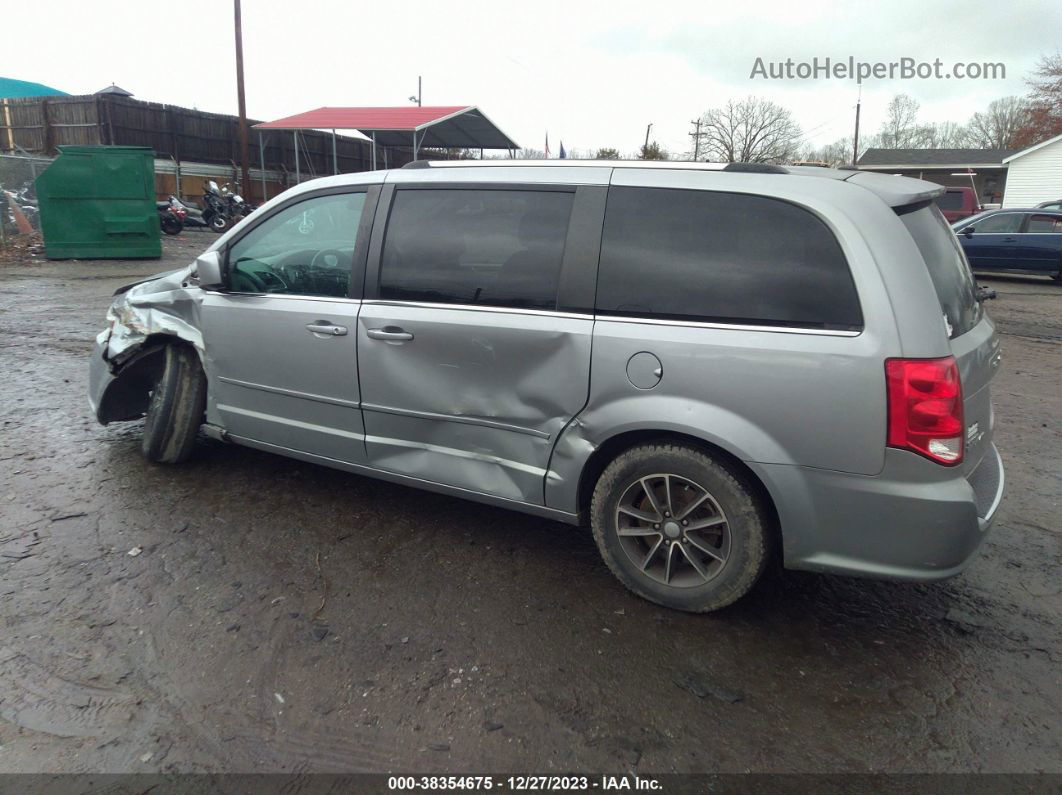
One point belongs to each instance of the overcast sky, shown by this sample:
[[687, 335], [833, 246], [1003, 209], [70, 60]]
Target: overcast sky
[[592, 74]]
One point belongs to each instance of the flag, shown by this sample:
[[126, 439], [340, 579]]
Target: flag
[[547, 146], [562, 154]]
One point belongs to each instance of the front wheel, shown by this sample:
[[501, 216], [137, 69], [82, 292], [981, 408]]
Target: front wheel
[[219, 223], [678, 528], [176, 408]]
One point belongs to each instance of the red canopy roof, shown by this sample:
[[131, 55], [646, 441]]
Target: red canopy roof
[[451, 126]]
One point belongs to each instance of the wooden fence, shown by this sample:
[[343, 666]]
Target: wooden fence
[[40, 124]]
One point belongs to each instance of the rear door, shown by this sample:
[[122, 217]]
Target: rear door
[[1041, 244], [469, 364], [280, 340], [972, 337]]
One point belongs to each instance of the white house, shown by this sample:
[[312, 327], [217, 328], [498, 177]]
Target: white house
[[1034, 175]]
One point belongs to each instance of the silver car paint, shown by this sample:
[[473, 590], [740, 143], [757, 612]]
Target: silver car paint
[[477, 398], [804, 410]]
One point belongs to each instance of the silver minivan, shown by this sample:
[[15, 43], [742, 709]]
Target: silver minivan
[[709, 365]]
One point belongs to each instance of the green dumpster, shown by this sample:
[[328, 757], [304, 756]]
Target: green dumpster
[[99, 202]]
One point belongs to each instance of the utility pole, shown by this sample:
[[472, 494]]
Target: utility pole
[[417, 98], [855, 140], [647, 129], [242, 101], [696, 139]]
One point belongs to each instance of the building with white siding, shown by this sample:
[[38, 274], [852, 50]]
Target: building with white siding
[[1034, 175]]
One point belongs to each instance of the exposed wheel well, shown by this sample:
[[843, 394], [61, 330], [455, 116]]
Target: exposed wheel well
[[603, 455], [128, 395]]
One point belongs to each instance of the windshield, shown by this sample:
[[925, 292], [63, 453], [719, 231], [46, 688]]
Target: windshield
[[947, 267]]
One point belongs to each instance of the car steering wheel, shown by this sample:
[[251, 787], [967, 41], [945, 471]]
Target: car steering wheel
[[339, 255], [257, 285]]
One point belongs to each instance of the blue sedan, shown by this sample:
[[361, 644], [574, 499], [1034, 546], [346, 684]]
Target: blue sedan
[[1018, 241]]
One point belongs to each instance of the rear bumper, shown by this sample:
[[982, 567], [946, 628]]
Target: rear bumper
[[914, 521]]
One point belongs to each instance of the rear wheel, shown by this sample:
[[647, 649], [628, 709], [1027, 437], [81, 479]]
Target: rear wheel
[[170, 225], [175, 411], [678, 528]]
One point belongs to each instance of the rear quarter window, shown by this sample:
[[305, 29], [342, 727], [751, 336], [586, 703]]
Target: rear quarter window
[[722, 257], [947, 266]]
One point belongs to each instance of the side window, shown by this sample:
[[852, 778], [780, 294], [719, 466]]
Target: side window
[[723, 257], [305, 249], [467, 246], [1004, 224], [1041, 224]]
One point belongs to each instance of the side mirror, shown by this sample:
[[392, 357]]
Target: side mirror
[[968, 231], [208, 269]]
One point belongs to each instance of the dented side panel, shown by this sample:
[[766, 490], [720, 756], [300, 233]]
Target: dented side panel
[[476, 399]]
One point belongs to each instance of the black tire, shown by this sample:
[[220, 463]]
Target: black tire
[[170, 225], [219, 223], [175, 411], [689, 469]]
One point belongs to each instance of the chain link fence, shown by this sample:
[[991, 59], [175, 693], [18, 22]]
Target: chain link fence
[[18, 195]]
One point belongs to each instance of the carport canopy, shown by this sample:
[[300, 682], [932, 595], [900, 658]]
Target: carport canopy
[[445, 127]]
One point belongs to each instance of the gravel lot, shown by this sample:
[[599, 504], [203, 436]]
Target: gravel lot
[[286, 617]]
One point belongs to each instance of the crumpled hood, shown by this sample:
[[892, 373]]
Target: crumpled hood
[[166, 304]]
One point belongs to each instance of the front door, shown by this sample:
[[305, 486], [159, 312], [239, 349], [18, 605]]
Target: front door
[[280, 340], [994, 243], [468, 371]]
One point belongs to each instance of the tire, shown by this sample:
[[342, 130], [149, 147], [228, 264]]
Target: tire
[[729, 509], [176, 408], [219, 223], [170, 225]]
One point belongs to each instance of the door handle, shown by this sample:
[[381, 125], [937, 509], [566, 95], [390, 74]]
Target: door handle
[[327, 328], [1009, 239], [389, 333]]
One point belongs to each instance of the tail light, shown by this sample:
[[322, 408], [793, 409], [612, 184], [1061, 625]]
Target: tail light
[[925, 408]]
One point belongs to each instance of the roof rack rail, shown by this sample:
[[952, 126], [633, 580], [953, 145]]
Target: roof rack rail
[[418, 164], [755, 168]]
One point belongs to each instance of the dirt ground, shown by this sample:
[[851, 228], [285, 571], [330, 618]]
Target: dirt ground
[[286, 617]]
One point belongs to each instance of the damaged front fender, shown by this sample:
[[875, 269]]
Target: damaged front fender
[[143, 319]]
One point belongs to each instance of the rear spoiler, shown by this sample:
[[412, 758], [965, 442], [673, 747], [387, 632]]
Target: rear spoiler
[[896, 191]]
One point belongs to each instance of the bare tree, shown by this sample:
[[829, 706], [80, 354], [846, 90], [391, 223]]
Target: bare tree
[[1045, 103], [751, 130], [838, 153], [998, 126], [901, 129], [948, 135]]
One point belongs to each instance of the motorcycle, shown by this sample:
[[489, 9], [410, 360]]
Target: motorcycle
[[215, 207], [171, 216], [235, 204]]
